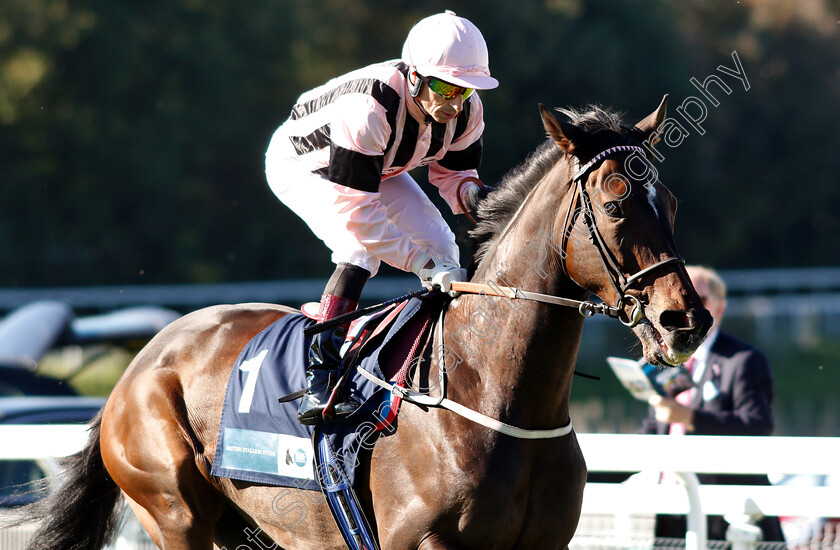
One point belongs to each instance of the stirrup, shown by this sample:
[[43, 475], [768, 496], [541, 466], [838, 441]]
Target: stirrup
[[321, 401], [313, 414], [316, 414], [319, 388]]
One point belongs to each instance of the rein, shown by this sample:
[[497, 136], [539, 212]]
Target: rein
[[585, 307]]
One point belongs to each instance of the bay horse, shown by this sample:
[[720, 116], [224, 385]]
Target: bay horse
[[584, 214]]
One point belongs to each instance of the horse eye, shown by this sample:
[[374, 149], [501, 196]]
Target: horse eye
[[613, 208]]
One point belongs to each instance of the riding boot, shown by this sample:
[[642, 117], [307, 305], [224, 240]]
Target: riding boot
[[324, 352]]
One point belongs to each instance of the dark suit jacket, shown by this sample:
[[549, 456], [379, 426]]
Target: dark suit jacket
[[741, 376], [738, 388]]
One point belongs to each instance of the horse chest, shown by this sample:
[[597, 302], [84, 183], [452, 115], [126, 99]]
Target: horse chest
[[513, 494]]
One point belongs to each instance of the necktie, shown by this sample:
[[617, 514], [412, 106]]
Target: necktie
[[683, 398]]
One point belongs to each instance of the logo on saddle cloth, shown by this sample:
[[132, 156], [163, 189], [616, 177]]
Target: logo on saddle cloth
[[300, 457]]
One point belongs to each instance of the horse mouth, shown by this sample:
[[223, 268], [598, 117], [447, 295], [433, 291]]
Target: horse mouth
[[663, 354]]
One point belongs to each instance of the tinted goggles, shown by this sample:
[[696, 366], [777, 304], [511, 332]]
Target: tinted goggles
[[446, 90]]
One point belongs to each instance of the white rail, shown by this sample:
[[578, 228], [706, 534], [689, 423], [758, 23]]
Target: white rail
[[642, 494], [45, 444], [711, 453], [36, 441], [687, 456]]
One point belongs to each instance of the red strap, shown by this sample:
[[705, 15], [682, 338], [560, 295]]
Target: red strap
[[333, 306], [401, 378], [393, 411], [360, 338], [385, 323]]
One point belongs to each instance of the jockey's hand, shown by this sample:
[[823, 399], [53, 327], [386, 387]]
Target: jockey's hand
[[441, 276], [475, 193]]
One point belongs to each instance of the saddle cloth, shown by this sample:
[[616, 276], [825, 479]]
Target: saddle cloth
[[261, 441]]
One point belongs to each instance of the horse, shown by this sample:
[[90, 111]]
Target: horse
[[584, 214]]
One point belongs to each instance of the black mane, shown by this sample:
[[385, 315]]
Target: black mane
[[499, 207]]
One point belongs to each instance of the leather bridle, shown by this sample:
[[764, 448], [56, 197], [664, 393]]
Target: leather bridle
[[618, 280]]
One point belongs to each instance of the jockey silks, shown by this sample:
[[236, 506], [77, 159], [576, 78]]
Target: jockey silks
[[341, 160]]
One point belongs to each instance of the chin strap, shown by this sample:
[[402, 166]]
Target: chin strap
[[428, 118]]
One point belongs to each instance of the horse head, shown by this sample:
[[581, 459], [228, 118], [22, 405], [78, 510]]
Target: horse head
[[617, 231]]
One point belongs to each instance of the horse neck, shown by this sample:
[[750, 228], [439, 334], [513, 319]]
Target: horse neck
[[521, 353]]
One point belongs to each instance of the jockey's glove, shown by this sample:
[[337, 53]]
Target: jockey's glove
[[474, 194], [440, 276]]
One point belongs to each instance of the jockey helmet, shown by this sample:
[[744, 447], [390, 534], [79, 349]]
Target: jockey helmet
[[450, 48]]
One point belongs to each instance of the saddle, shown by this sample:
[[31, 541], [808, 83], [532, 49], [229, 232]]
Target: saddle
[[261, 441], [368, 332]]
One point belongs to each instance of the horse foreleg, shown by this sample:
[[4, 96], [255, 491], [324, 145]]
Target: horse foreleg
[[148, 450]]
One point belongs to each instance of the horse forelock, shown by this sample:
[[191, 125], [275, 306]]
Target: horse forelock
[[606, 128]]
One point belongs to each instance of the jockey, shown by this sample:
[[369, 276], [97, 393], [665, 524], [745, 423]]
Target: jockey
[[341, 162]]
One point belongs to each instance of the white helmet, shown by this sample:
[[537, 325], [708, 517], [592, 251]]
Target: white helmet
[[450, 48]]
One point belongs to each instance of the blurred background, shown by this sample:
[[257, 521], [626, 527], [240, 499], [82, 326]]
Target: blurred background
[[132, 141]]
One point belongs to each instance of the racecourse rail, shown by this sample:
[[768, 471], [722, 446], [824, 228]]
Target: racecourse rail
[[789, 290], [642, 493]]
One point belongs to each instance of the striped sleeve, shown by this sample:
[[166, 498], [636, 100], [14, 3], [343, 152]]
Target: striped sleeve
[[359, 136]]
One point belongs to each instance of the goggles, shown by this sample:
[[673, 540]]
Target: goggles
[[446, 90]]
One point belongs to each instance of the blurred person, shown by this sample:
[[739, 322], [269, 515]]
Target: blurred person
[[342, 159], [732, 396]]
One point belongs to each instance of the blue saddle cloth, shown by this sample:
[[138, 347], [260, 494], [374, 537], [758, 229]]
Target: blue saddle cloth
[[261, 441]]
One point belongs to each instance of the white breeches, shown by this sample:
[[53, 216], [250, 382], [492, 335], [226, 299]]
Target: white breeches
[[393, 225]]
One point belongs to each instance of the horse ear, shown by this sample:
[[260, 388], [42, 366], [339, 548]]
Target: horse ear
[[650, 123], [564, 134]]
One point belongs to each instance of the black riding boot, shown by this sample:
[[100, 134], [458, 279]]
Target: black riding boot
[[321, 376], [341, 296]]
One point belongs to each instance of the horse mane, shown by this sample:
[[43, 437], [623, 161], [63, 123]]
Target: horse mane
[[496, 211]]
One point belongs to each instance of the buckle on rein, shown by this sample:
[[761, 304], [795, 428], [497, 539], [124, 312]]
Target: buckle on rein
[[588, 309]]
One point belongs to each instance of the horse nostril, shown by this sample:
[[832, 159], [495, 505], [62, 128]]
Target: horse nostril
[[677, 319]]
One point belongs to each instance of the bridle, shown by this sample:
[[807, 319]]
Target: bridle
[[620, 283]]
